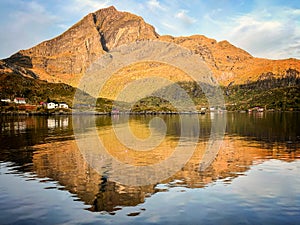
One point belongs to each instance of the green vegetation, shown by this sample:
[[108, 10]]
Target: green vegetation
[[268, 92], [153, 104], [35, 91]]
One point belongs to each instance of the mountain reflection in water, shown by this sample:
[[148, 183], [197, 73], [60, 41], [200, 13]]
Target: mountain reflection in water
[[46, 147]]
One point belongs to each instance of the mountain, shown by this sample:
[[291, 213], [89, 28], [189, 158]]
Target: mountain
[[66, 57]]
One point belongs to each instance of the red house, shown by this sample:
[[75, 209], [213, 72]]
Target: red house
[[19, 101]]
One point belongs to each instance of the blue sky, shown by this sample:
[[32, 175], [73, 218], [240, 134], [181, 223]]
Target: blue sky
[[264, 28]]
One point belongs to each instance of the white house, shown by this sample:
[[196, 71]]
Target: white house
[[19, 101], [6, 100], [51, 105], [63, 105]]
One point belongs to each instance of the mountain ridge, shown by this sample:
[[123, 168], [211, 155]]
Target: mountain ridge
[[65, 58]]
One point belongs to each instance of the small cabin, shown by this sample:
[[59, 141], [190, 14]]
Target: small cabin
[[6, 100], [63, 105], [19, 101], [51, 105]]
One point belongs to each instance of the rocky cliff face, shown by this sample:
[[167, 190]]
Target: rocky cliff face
[[232, 64], [66, 57], [117, 28]]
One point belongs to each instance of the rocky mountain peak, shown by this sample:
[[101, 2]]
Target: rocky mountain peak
[[66, 57], [116, 28]]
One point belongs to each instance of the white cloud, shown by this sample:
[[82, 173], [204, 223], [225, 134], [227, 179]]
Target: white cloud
[[292, 12], [271, 37], [154, 5], [63, 26], [212, 16], [182, 15], [169, 26]]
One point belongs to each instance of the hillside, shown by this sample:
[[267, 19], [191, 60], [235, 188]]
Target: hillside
[[16, 82]]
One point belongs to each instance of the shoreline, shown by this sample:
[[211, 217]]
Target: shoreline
[[24, 113]]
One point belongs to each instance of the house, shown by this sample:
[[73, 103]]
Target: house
[[51, 105], [256, 109], [202, 110], [19, 101], [6, 100], [63, 105]]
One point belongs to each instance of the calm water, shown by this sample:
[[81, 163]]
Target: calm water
[[48, 177]]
